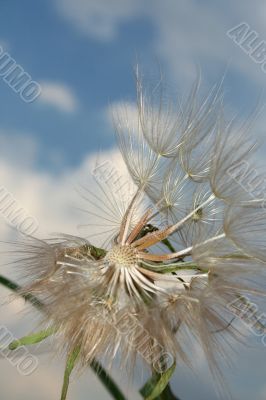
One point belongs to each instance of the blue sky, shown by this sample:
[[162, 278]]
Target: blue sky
[[96, 70], [82, 52], [95, 64]]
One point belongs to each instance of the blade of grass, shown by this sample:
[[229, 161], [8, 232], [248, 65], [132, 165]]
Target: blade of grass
[[32, 339], [70, 364], [158, 388]]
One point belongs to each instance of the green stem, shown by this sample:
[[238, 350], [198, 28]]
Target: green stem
[[167, 268], [107, 381], [169, 245], [16, 288]]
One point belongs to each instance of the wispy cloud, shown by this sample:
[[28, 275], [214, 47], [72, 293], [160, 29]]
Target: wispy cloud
[[59, 96], [191, 33], [188, 32], [51, 198], [101, 18]]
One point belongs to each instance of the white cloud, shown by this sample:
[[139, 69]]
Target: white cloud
[[58, 95], [52, 199], [191, 33], [99, 18], [11, 140], [187, 32]]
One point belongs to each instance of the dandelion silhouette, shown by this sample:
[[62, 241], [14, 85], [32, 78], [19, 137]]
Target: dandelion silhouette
[[186, 243]]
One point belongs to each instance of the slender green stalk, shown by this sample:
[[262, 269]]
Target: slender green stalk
[[16, 288], [107, 381], [158, 386], [167, 268], [70, 364]]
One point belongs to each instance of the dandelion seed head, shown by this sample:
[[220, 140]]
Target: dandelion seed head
[[184, 243], [124, 255]]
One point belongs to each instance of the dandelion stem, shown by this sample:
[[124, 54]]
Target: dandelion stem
[[16, 288], [107, 381]]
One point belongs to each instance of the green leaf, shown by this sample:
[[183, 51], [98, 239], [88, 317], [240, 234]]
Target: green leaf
[[97, 252], [32, 339], [157, 384], [149, 385], [70, 364]]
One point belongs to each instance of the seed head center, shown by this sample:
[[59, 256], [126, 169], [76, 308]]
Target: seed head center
[[122, 255]]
